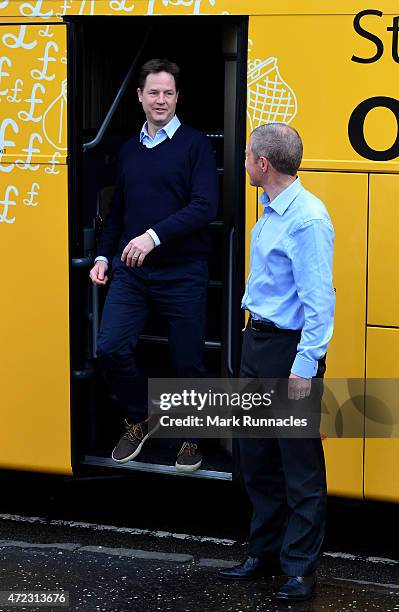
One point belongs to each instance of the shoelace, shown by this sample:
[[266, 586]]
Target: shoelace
[[133, 432], [188, 447]]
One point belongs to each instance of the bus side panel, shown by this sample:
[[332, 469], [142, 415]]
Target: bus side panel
[[53, 9], [34, 322], [33, 93], [381, 479], [382, 406], [345, 196], [383, 264], [298, 74]]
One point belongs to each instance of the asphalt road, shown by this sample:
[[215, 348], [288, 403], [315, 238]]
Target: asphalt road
[[115, 582], [149, 544]]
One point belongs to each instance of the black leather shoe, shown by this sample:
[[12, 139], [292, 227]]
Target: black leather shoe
[[297, 588], [252, 568]]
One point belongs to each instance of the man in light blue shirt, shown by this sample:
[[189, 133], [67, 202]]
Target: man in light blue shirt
[[290, 281], [290, 298]]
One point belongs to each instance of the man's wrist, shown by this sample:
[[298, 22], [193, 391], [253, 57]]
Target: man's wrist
[[154, 236], [101, 258]]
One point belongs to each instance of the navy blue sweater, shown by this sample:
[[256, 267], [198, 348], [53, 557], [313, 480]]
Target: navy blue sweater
[[171, 188]]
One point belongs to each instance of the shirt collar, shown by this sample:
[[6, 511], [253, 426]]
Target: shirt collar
[[284, 199], [169, 129]]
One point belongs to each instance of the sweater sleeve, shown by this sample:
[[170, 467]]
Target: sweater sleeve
[[203, 204], [113, 224]]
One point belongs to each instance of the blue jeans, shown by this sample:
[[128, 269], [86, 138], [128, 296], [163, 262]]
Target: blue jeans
[[178, 294]]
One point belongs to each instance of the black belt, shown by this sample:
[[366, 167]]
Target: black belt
[[267, 326]]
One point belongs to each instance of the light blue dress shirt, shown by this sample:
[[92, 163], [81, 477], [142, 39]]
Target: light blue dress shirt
[[168, 131], [290, 280]]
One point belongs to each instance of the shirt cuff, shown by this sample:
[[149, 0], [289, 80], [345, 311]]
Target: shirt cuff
[[101, 258], [154, 236], [304, 367]]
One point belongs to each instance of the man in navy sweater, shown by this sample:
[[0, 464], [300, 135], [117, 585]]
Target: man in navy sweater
[[157, 238]]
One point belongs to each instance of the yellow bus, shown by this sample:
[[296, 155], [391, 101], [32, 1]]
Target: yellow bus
[[68, 72]]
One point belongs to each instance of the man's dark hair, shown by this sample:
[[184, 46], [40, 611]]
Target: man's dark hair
[[158, 65], [280, 144]]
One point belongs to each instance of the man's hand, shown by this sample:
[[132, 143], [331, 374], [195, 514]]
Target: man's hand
[[137, 249], [97, 273], [298, 387]]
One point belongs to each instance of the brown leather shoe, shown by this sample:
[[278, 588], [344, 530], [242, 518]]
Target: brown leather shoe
[[133, 439], [189, 458]]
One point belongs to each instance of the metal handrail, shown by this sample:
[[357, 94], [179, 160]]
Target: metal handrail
[[114, 105]]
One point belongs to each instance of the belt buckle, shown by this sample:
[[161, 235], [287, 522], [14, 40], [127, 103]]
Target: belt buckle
[[253, 327]]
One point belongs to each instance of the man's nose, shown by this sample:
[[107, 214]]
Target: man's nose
[[161, 98]]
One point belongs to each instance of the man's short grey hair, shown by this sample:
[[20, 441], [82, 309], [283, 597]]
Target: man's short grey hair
[[280, 144]]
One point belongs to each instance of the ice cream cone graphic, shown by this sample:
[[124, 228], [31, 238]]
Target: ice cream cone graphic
[[270, 99], [54, 120]]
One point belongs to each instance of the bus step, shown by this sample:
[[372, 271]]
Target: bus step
[[157, 468]]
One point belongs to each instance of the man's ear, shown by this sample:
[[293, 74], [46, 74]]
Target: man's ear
[[139, 94], [263, 163]]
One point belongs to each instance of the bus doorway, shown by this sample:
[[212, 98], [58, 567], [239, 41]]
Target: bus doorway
[[105, 57]]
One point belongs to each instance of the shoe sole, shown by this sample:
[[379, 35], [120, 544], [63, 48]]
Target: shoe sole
[[294, 599], [188, 468], [138, 449], [299, 598]]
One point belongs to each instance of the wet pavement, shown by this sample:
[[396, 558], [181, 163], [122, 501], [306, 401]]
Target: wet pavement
[[143, 573], [122, 546], [116, 583]]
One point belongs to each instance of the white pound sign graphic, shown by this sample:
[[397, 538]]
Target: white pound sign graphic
[[3, 73], [30, 10], [6, 203], [66, 5], [17, 42], [26, 165], [3, 4], [6, 143], [40, 75], [54, 161], [46, 33], [23, 115], [54, 120], [32, 193], [15, 90]]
